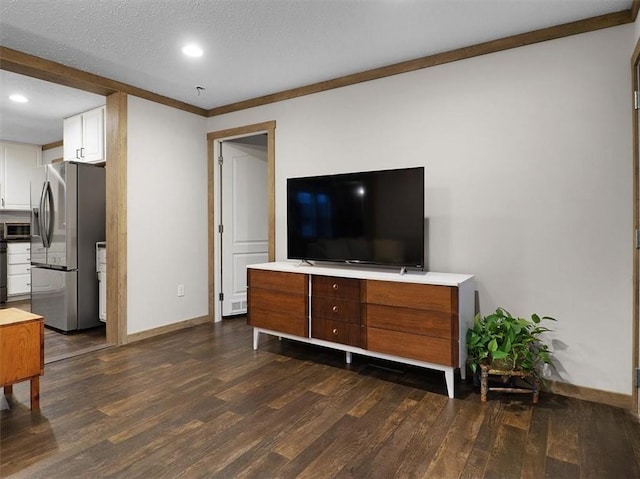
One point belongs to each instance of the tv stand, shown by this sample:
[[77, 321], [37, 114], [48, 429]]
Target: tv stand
[[305, 262], [418, 319]]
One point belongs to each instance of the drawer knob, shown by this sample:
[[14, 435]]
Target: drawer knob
[[335, 286], [335, 331], [334, 309]]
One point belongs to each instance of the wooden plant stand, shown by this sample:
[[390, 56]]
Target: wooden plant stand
[[486, 371]]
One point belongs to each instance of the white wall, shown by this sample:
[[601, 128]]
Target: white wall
[[51, 154], [528, 179], [166, 215]]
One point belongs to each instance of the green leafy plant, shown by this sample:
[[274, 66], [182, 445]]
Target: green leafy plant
[[508, 343]]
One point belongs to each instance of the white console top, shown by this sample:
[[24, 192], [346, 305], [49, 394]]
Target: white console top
[[350, 271]]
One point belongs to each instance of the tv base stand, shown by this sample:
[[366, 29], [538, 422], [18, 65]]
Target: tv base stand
[[415, 318]]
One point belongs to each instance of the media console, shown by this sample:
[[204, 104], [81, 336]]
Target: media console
[[415, 318]]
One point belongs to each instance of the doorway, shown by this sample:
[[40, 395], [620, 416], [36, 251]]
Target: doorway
[[246, 145], [242, 166]]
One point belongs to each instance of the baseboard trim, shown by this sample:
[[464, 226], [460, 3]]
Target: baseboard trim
[[624, 401], [169, 328]]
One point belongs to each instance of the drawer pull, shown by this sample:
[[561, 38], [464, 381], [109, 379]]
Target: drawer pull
[[335, 286], [334, 309], [335, 331]]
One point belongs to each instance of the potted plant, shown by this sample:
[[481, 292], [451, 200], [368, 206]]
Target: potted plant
[[507, 343]]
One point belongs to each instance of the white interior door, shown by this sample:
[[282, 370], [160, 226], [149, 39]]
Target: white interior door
[[244, 216]]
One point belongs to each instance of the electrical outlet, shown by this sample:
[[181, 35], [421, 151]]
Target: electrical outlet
[[180, 290]]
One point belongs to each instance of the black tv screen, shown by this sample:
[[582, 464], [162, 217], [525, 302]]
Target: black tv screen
[[374, 217]]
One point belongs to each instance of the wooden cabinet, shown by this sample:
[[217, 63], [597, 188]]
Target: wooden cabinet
[[17, 162], [21, 351], [278, 301], [18, 269], [335, 310], [414, 320], [83, 137], [417, 318]]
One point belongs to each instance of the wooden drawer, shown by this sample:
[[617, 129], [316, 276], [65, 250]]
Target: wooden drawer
[[336, 331], [335, 309], [415, 321], [267, 300], [277, 280], [339, 288], [424, 348], [282, 321], [413, 296], [278, 301]]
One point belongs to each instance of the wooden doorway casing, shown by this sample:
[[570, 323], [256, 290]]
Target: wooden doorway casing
[[635, 351], [269, 128], [116, 214]]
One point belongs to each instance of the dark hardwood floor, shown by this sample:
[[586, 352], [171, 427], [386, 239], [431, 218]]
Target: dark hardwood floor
[[201, 403]]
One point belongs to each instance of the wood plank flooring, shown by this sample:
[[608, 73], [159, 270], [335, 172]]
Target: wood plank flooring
[[201, 403]]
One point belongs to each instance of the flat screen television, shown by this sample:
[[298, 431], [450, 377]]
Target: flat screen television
[[372, 217]]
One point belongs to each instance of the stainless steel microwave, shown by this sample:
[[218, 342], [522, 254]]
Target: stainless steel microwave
[[17, 231]]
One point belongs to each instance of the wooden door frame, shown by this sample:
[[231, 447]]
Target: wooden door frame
[[635, 352], [116, 217], [269, 128]]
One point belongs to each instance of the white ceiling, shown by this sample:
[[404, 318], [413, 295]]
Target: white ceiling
[[251, 47]]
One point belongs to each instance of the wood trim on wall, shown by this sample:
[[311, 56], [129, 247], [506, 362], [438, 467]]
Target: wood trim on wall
[[25, 64], [635, 6], [635, 352], [116, 217], [29, 65], [269, 127], [169, 328], [51, 146], [514, 41], [623, 401]]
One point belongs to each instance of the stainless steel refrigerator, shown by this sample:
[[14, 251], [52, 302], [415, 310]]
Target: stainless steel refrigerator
[[67, 220]]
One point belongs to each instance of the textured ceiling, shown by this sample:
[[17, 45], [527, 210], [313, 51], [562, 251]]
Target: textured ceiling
[[257, 47]]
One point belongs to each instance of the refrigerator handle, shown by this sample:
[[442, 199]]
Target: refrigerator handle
[[50, 214], [41, 216]]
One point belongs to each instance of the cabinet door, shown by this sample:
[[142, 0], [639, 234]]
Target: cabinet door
[[72, 138], [93, 136], [18, 164]]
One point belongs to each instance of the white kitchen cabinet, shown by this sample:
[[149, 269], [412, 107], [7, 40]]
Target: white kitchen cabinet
[[17, 162], [83, 136], [18, 269]]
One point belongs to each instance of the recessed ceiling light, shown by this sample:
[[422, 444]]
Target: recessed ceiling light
[[19, 98], [192, 50]]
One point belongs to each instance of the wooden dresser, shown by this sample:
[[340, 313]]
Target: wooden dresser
[[21, 351], [415, 318]]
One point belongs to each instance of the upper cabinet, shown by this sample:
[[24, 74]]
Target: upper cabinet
[[83, 137], [17, 162]]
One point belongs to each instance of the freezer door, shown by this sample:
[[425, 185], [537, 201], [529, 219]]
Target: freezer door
[[54, 295], [37, 188], [61, 221]]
